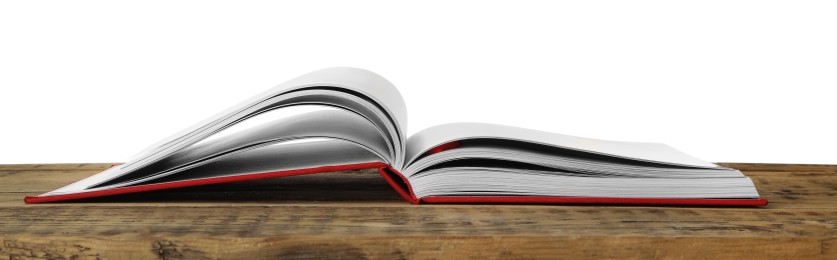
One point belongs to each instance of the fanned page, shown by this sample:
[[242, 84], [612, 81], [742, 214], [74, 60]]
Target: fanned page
[[362, 108], [478, 162], [651, 152], [357, 120]]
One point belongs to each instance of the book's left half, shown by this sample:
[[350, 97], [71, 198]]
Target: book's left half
[[355, 120]]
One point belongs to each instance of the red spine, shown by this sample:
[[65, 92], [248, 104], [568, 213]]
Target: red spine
[[387, 172]]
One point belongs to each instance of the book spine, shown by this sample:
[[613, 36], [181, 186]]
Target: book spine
[[399, 183]]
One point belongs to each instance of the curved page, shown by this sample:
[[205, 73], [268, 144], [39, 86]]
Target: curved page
[[600, 166], [354, 89], [337, 124], [425, 140], [369, 86], [279, 157]]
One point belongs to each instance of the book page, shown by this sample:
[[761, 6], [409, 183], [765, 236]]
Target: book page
[[279, 157], [426, 139], [483, 181], [517, 155], [372, 86], [330, 123], [356, 90]]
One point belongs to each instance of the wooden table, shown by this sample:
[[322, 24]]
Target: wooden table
[[356, 215]]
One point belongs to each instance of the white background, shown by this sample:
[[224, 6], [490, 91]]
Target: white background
[[733, 81]]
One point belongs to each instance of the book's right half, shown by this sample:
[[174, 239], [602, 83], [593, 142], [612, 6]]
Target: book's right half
[[487, 163]]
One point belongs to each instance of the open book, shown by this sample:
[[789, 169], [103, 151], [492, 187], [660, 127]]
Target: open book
[[363, 124]]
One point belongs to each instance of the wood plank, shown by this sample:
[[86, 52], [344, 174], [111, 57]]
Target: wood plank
[[356, 215], [369, 219], [401, 247]]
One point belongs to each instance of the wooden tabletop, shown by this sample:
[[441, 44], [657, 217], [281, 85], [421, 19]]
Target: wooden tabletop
[[356, 215]]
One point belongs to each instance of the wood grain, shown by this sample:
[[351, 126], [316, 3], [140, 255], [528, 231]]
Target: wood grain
[[356, 215]]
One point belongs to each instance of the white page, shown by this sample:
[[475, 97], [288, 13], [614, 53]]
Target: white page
[[375, 87], [331, 123], [365, 82], [280, 157], [296, 98], [475, 181], [425, 140], [277, 157], [596, 166]]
